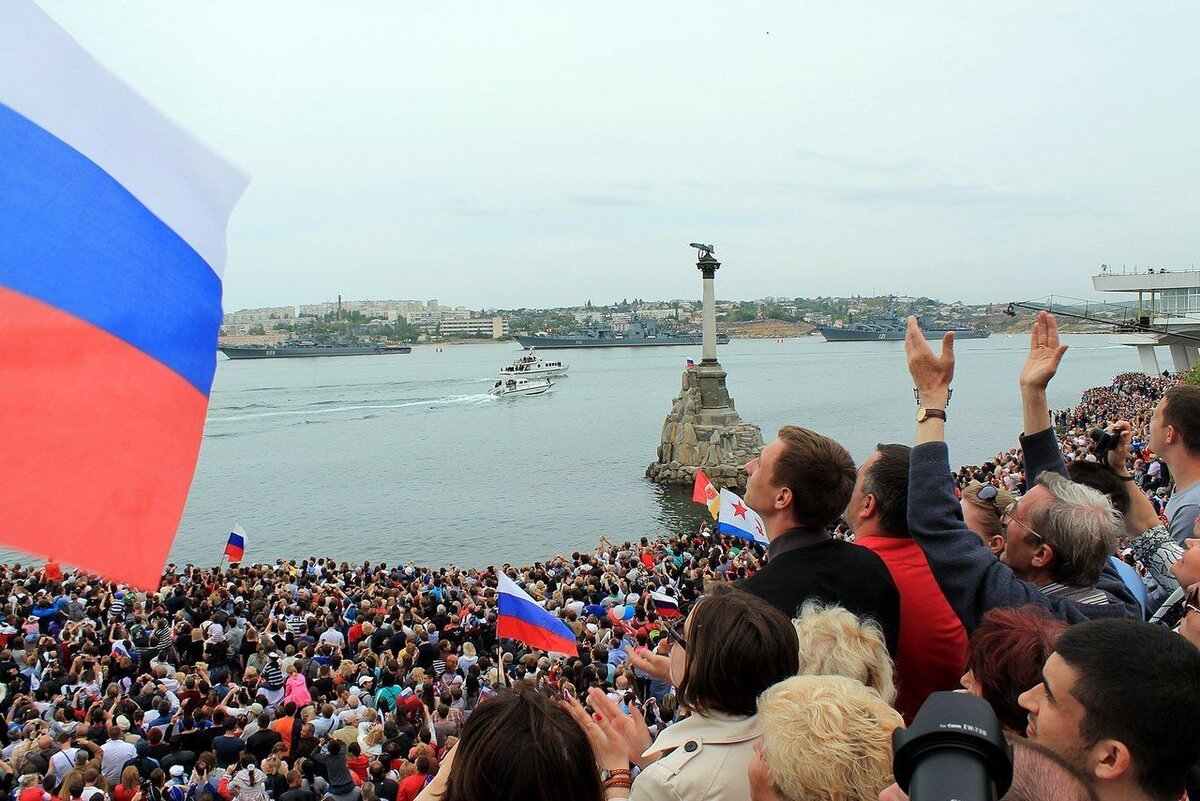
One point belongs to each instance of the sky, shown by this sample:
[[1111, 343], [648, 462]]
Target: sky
[[516, 154]]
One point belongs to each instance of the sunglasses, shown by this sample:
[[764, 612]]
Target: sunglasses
[[1191, 603], [674, 634]]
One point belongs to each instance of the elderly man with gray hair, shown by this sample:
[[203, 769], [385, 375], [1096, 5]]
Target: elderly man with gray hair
[[1060, 534]]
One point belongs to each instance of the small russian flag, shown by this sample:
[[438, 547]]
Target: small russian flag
[[235, 549], [522, 619], [665, 605], [690, 364]]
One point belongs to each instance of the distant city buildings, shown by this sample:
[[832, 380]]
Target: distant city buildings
[[432, 319]]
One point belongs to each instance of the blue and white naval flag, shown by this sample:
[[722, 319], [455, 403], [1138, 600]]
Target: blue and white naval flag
[[739, 520]]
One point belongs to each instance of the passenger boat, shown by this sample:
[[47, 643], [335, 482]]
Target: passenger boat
[[532, 365], [520, 386]]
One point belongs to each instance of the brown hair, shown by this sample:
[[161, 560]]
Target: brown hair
[[818, 471], [1182, 412], [519, 745], [737, 646]]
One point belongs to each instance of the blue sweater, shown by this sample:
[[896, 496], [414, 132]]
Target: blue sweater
[[971, 577]]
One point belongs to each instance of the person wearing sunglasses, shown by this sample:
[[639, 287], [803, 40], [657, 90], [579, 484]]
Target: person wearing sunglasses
[[982, 506], [1058, 536]]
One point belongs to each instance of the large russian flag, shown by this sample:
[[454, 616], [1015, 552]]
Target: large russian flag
[[522, 619], [112, 244]]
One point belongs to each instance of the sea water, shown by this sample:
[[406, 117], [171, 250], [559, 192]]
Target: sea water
[[406, 457]]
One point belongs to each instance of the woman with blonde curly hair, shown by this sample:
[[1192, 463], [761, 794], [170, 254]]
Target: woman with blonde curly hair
[[836, 642], [825, 738]]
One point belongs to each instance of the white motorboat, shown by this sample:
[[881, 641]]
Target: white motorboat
[[520, 386], [533, 366]]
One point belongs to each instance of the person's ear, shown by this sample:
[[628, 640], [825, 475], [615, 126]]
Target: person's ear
[[1110, 760], [783, 499], [1043, 555], [870, 506]]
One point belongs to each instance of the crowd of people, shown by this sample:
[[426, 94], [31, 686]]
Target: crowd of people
[[1056, 582]]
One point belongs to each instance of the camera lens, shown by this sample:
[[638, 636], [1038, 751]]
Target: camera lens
[[955, 749]]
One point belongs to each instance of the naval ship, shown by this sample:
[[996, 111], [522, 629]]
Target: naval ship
[[890, 327], [639, 334], [294, 349]]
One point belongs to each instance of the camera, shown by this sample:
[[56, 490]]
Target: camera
[[955, 749], [1105, 442]]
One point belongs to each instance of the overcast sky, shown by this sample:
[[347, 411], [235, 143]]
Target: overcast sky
[[512, 153]]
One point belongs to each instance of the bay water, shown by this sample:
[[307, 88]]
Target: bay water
[[406, 457]]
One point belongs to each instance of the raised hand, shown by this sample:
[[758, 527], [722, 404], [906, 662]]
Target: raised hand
[[652, 664], [1045, 353], [609, 744], [931, 373]]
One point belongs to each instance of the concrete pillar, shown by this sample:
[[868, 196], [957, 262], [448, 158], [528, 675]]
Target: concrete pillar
[[1193, 355], [1179, 357], [708, 267], [709, 353], [1149, 359]]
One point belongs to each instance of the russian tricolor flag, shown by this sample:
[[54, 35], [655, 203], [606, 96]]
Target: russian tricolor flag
[[665, 605], [112, 244], [235, 548], [522, 619]]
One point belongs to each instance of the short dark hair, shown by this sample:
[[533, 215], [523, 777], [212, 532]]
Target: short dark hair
[[1006, 654], [1138, 683], [887, 481], [1182, 412], [517, 744], [1102, 479], [819, 472], [738, 645]]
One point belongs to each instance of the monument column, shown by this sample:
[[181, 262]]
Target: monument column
[[703, 430], [708, 267]]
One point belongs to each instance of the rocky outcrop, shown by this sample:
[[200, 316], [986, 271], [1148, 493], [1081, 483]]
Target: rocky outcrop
[[695, 436]]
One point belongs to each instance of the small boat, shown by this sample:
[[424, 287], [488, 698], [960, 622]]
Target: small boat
[[531, 364], [520, 386]]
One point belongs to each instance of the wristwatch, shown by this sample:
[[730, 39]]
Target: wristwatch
[[924, 414]]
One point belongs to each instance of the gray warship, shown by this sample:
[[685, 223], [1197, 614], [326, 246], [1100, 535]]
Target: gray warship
[[640, 334], [300, 349]]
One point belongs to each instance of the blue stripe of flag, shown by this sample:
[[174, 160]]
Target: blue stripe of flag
[[72, 237]]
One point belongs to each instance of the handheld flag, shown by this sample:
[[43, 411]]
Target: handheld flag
[[235, 549], [739, 520], [690, 364], [665, 605], [112, 245], [522, 619], [704, 492]]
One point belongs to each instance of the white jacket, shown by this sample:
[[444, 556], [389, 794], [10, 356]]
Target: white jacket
[[704, 758]]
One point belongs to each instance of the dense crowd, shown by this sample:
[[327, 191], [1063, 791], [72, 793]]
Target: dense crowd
[[1026, 581]]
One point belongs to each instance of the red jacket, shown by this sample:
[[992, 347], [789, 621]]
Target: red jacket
[[932, 652]]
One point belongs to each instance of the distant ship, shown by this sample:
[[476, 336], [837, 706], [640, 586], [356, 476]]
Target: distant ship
[[889, 327], [296, 349], [639, 334]]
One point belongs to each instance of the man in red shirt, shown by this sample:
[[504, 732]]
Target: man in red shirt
[[932, 651], [411, 786]]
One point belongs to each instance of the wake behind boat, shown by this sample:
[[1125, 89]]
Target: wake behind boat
[[530, 365], [520, 386]]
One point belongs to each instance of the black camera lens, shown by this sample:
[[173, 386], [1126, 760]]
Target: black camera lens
[[955, 749]]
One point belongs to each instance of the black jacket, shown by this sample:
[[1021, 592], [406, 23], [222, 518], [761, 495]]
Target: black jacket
[[832, 572]]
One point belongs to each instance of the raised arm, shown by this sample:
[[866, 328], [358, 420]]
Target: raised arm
[[969, 575]]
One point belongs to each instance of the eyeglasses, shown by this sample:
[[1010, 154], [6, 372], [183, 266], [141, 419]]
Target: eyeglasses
[[1007, 515], [674, 633]]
